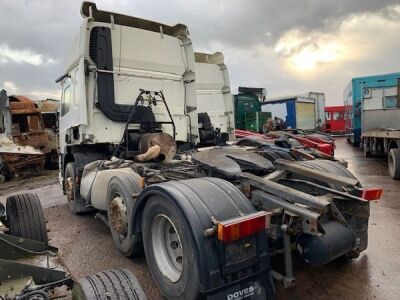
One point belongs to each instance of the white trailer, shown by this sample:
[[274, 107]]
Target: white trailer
[[380, 125], [319, 106]]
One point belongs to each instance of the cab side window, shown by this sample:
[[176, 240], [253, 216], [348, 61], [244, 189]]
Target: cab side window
[[337, 116], [327, 115], [66, 97]]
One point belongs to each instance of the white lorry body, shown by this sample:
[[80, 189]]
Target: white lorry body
[[380, 125], [213, 91], [145, 55]]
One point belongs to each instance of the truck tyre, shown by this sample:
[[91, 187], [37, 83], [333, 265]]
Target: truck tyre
[[120, 202], [76, 204], [25, 217], [366, 152], [394, 163], [169, 249], [109, 285], [365, 147]]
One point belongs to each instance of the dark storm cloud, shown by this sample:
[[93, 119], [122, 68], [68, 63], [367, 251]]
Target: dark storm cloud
[[245, 23], [47, 27]]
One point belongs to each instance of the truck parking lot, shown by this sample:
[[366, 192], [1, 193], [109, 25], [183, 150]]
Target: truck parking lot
[[86, 245], [150, 178]]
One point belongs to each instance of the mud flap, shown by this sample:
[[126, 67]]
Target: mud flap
[[260, 287]]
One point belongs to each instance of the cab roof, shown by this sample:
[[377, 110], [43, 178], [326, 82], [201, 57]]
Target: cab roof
[[89, 10]]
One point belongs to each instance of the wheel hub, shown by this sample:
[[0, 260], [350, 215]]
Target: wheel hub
[[167, 248], [119, 215], [69, 189]]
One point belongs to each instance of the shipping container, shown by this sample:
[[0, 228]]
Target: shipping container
[[319, 105], [297, 112], [254, 121], [245, 103]]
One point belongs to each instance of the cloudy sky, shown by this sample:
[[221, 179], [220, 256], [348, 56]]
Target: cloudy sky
[[286, 46]]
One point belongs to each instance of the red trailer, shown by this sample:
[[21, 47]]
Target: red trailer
[[334, 119]]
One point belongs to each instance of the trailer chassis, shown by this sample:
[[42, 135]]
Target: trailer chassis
[[305, 207]]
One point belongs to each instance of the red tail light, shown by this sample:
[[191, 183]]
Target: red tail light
[[371, 194], [325, 148], [234, 229]]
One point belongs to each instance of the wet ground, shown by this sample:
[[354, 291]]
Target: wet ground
[[376, 273], [87, 247]]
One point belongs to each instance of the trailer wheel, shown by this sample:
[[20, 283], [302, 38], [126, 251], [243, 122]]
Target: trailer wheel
[[366, 152], [394, 163], [366, 149], [25, 217], [169, 249], [112, 284], [120, 193]]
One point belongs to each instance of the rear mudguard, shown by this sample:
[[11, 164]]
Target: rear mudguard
[[200, 200]]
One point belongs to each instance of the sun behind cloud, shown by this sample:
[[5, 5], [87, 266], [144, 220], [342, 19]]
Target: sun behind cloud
[[307, 52]]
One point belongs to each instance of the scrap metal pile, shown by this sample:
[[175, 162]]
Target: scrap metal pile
[[24, 139]]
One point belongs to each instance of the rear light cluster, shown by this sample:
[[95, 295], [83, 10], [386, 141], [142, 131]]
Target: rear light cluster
[[234, 229], [326, 148], [371, 194]]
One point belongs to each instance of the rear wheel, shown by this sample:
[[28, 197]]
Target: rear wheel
[[394, 163], [120, 215], [365, 145], [169, 249], [367, 152], [112, 284], [76, 203], [25, 217]]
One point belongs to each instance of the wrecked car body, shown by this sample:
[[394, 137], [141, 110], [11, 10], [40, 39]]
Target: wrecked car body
[[24, 142]]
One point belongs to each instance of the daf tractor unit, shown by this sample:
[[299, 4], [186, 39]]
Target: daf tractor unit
[[213, 220]]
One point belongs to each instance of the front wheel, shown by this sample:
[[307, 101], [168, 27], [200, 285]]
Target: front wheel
[[169, 249]]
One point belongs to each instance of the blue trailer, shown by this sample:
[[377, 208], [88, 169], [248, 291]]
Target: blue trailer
[[305, 111], [353, 95]]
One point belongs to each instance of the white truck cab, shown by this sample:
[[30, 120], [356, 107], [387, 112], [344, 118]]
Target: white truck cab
[[214, 93], [113, 57], [131, 93]]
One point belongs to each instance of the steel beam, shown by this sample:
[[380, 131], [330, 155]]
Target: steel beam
[[289, 194]]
